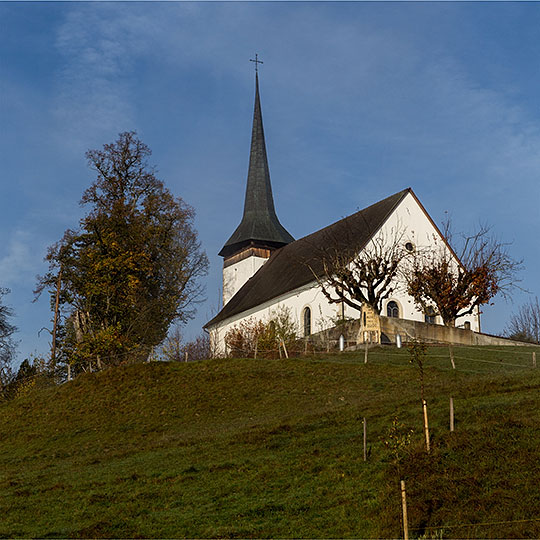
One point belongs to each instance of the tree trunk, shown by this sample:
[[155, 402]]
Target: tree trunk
[[55, 324]]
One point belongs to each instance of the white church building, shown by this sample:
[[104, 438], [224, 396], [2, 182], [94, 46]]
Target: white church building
[[265, 269]]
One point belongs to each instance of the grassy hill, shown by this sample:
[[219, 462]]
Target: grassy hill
[[273, 448]]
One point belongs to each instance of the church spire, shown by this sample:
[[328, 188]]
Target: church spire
[[260, 226]]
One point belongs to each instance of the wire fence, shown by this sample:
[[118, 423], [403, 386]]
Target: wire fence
[[61, 371], [377, 353], [476, 524], [473, 525]]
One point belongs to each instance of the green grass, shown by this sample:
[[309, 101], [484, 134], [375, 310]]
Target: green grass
[[273, 448]]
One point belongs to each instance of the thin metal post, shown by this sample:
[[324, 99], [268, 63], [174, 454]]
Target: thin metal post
[[365, 439], [451, 414]]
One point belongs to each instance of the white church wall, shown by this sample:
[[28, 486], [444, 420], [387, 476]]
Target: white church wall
[[235, 275], [323, 314], [410, 220]]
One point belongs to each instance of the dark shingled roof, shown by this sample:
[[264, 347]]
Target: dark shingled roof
[[259, 222], [292, 266]]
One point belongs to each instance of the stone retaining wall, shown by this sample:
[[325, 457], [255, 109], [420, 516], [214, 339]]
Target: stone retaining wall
[[390, 327]]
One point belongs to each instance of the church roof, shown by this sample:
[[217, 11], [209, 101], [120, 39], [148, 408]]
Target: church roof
[[294, 265], [259, 222]]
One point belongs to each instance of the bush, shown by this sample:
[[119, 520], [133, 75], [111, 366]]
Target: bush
[[253, 337]]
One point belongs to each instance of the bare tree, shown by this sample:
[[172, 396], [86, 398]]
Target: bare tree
[[175, 349], [525, 324], [418, 352], [7, 347], [172, 347], [355, 272]]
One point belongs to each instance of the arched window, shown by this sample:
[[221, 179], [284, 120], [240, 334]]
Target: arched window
[[307, 322], [467, 325], [392, 309], [430, 315]]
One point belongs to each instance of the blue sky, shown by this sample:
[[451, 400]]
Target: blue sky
[[360, 100]]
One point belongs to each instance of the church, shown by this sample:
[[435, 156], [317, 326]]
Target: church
[[265, 269]]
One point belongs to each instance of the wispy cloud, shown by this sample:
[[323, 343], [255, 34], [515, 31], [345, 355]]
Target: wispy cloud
[[99, 45], [19, 262]]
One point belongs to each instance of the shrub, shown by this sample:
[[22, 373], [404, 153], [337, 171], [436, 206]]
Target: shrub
[[253, 337]]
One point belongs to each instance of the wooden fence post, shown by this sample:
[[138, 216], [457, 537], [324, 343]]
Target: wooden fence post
[[426, 427], [404, 509], [534, 358], [365, 439], [451, 414], [185, 356], [451, 349]]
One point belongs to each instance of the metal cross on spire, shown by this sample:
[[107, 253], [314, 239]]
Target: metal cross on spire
[[257, 61]]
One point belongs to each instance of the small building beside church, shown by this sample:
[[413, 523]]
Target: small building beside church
[[265, 269]]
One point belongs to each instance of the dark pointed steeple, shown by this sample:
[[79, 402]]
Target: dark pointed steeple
[[260, 226]]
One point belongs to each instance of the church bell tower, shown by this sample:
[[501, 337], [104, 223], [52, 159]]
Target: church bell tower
[[260, 231]]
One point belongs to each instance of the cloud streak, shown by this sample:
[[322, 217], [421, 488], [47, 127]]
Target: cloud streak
[[19, 262], [99, 46]]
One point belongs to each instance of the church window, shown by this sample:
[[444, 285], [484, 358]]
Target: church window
[[307, 322], [430, 315], [409, 246], [392, 309], [467, 325]]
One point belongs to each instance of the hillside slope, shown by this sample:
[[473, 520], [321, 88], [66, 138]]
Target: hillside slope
[[273, 448]]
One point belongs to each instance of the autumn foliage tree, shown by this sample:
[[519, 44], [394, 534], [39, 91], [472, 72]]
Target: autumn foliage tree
[[132, 266], [456, 285]]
